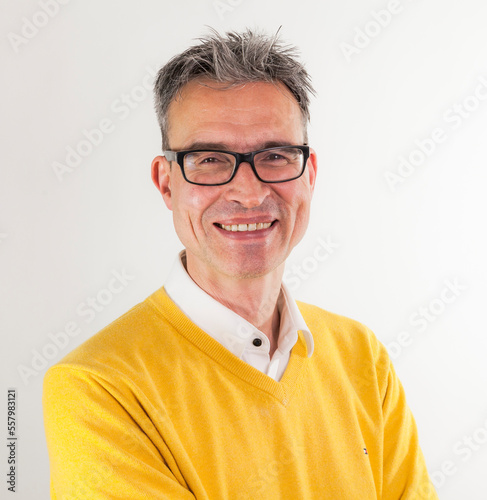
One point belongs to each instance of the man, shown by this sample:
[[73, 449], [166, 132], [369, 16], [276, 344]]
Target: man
[[219, 386]]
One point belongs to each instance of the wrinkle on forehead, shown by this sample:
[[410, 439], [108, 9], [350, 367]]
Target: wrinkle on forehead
[[241, 108]]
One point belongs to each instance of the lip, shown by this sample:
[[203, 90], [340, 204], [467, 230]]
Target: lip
[[246, 220], [247, 235]]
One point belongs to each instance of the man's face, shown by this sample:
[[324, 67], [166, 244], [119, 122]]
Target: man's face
[[241, 119]]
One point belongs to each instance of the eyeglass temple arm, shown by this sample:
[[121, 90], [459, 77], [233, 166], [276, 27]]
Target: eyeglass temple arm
[[170, 155]]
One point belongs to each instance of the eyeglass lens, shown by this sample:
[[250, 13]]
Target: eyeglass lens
[[277, 164]]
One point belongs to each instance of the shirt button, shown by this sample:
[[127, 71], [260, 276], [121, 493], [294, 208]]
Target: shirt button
[[257, 342]]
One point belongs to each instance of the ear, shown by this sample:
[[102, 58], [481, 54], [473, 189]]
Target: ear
[[161, 177], [312, 167]]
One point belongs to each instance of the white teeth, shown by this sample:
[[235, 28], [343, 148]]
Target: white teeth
[[246, 227]]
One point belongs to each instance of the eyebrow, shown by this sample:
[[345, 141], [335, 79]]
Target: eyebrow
[[194, 146]]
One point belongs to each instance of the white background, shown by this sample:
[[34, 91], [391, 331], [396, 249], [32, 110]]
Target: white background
[[62, 236]]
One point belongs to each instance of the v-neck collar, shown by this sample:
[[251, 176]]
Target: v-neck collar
[[282, 390]]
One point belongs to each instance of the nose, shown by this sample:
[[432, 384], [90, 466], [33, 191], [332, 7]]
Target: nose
[[246, 189]]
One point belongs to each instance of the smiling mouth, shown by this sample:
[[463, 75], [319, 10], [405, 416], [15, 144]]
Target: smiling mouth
[[245, 227]]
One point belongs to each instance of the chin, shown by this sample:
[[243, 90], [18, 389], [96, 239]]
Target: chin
[[249, 268]]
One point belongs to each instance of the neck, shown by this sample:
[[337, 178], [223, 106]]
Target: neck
[[254, 299]]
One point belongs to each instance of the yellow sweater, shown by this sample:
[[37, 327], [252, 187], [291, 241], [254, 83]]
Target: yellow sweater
[[154, 408]]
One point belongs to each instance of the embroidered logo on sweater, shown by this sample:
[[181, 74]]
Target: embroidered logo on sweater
[[365, 451]]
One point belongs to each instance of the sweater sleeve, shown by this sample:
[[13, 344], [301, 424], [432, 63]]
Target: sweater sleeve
[[404, 470], [97, 448]]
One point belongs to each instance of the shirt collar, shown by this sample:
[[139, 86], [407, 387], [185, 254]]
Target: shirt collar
[[221, 323]]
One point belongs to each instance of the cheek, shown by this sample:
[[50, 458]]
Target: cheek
[[301, 212], [297, 200], [302, 218], [191, 203]]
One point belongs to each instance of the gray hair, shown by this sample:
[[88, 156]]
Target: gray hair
[[235, 59]]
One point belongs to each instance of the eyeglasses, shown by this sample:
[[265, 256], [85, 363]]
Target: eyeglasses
[[214, 168]]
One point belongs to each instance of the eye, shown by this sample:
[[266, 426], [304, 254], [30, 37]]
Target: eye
[[210, 159], [275, 156], [206, 159]]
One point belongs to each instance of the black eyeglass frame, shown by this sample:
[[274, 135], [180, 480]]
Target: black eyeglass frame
[[178, 157]]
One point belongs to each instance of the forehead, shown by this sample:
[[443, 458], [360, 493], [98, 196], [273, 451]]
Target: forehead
[[235, 112]]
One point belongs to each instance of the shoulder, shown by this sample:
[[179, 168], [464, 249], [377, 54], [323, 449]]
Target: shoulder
[[123, 347], [319, 320], [340, 334], [348, 349]]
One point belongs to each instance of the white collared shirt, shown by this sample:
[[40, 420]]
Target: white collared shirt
[[234, 332]]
